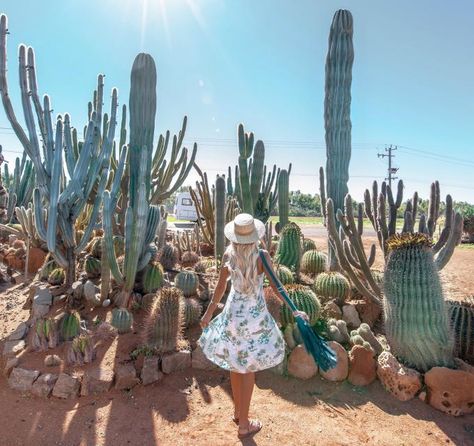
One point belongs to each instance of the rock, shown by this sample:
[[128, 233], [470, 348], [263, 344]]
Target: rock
[[338, 373], [90, 290], [38, 311], [11, 348], [97, 380], [369, 312], [52, 360], [150, 372], [66, 386], [332, 310], [10, 365], [402, 382], [175, 361], [43, 386], [300, 364], [42, 296], [362, 366], [199, 360], [19, 333], [12, 238], [125, 377], [350, 316], [450, 391], [77, 290], [22, 379], [106, 303]]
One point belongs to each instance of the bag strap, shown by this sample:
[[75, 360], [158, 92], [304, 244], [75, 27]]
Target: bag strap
[[276, 281]]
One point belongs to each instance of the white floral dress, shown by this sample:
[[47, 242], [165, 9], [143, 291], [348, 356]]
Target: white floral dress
[[244, 337]]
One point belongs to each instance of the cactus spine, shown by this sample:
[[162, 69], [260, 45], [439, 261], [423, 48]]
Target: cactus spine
[[337, 106], [416, 318], [283, 197], [219, 242]]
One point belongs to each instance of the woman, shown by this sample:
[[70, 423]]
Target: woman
[[244, 338]]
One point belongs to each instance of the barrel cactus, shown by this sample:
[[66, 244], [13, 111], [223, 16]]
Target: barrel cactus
[[70, 326], [56, 277], [187, 282], [313, 262], [290, 247], [189, 259], [152, 277], [168, 257], [305, 300], [416, 317], [164, 323], [92, 266], [332, 285], [95, 247], [48, 267], [122, 320], [192, 311], [309, 245], [462, 323], [285, 275]]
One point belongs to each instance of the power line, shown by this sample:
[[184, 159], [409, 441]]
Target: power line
[[391, 170]]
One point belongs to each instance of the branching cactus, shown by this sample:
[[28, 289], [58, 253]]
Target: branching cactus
[[255, 189], [415, 314], [141, 218], [283, 198], [337, 108], [63, 192]]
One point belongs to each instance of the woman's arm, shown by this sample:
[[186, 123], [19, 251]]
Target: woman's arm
[[218, 293], [274, 286]]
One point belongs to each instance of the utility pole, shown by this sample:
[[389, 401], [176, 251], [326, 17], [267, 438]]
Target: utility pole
[[391, 170]]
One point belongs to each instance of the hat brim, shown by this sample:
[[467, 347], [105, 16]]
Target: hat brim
[[253, 237]]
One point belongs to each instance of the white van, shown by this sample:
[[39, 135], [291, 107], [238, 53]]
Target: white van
[[184, 208]]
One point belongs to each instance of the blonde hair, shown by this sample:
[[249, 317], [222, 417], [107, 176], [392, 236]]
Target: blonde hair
[[242, 265]]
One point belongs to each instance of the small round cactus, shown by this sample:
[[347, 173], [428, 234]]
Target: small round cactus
[[92, 266], [305, 300], [57, 276], [313, 262], [332, 285], [187, 282], [285, 275], [152, 277], [122, 320], [70, 326], [192, 311], [309, 245]]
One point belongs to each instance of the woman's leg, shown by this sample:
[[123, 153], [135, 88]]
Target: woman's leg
[[235, 383], [247, 384]]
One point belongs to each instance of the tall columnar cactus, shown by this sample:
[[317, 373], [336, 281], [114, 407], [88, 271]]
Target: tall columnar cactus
[[283, 197], [219, 242], [290, 247], [255, 189], [63, 190], [141, 218], [416, 317], [461, 315], [337, 108]]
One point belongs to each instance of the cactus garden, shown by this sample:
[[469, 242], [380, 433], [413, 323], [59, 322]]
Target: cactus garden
[[102, 287]]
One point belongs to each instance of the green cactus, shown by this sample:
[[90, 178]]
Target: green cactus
[[45, 335], [48, 267], [220, 220], [189, 259], [192, 311], [288, 336], [367, 335], [70, 326], [309, 245], [187, 282], [56, 277], [337, 331], [164, 323], [153, 277], [313, 262], [168, 257], [285, 275], [92, 266], [95, 247], [461, 315], [416, 318], [290, 247], [305, 300], [332, 285], [283, 198], [122, 320], [81, 351]]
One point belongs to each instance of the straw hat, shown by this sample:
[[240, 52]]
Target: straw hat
[[244, 229]]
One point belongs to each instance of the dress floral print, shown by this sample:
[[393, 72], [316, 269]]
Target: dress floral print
[[244, 337]]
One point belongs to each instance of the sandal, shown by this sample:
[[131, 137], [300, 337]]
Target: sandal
[[235, 420], [254, 426]]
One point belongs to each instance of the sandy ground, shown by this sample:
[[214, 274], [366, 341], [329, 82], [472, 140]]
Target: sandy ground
[[194, 407]]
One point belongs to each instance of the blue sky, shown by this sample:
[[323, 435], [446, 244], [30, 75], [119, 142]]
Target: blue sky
[[222, 62]]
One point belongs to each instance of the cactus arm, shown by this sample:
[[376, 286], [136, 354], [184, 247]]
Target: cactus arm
[[322, 194], [68, 149], [433, 208], [39, 220], [453, 240], [219, 242], [283, 198], [108, 237], [256, 174], [247, 205]]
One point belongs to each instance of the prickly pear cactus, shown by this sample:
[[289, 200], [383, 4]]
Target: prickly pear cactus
[[313, 262], [305, 300], [332, 285], [122, 320], [187, 282], [416, 317], [164, 323]]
